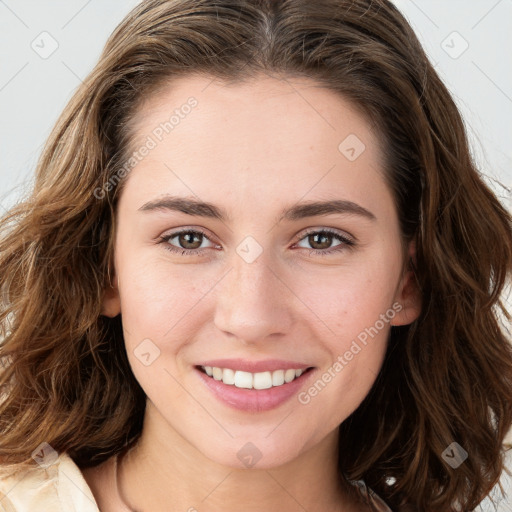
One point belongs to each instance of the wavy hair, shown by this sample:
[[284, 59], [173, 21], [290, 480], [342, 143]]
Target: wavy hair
[[65, 377]]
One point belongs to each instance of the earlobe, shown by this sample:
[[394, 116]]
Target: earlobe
[[408, 294], [111, 305]]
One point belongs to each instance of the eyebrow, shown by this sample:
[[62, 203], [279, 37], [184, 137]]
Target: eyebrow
[[195, 207]]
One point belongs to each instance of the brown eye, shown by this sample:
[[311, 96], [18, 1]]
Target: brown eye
[[186, 239], [188, 242], [320, 242]]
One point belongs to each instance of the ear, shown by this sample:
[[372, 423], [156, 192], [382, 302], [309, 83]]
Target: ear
[[408, 294], [111, 305]]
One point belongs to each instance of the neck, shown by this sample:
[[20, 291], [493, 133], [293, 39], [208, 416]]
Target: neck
[[150, 478]]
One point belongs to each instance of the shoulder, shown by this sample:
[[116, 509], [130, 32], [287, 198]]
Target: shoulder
[[56, 487]]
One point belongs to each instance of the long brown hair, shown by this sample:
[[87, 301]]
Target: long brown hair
[[65, 376]]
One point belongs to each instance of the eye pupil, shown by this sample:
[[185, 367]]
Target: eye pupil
[[184, 240], [325, 236]]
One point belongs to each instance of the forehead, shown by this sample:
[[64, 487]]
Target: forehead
[[251, 107], [255, 137]]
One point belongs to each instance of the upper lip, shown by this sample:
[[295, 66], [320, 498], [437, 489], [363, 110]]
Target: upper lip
[[244, 365]]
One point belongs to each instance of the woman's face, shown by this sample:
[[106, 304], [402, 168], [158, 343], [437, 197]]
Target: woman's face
[[262, 284]]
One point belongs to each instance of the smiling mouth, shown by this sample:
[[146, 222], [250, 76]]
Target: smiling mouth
[[256, 381]]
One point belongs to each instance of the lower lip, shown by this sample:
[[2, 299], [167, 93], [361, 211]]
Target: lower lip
[[254, 400]]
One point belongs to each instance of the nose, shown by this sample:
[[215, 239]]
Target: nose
[[254, 301]]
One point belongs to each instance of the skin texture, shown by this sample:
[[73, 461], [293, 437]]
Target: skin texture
[[253, 149]]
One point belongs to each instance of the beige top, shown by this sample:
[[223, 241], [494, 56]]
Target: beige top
[[61, 487]]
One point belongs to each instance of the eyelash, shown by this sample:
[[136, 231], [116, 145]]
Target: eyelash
[[347, 243]]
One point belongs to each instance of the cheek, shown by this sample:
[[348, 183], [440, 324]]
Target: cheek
[[157, 300], [353, 310], [358, 318], [159, 307], [351, 299]]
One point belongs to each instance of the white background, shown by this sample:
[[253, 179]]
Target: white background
[[468, 41]]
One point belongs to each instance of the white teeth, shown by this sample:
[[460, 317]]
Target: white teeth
[[289, 375], [278, 378], [247, 380], [228, 376], [243, 379], [262, 380]]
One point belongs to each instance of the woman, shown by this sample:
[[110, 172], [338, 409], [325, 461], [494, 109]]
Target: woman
[[335, 345]]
